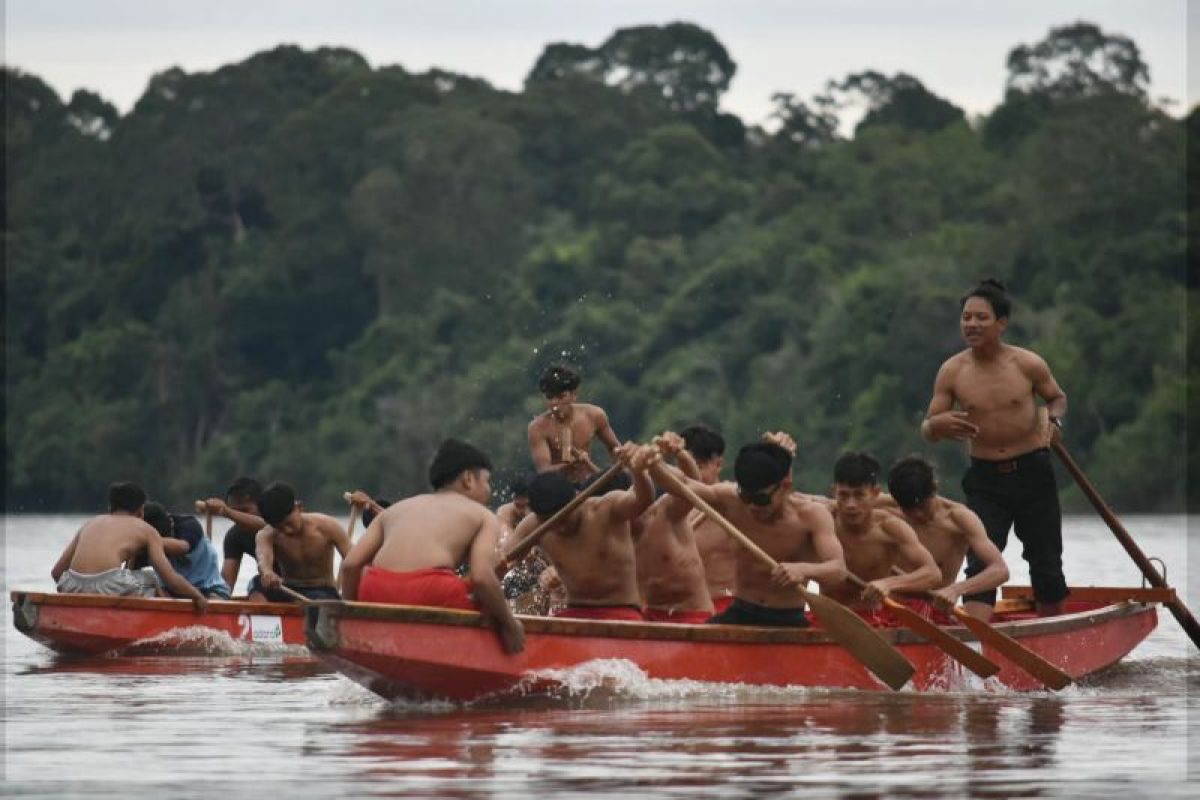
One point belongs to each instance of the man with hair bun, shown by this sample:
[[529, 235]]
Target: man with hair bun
[[988, 396], [795, 531], [410, 550], [874, 542], [559, 438], [947, 530]]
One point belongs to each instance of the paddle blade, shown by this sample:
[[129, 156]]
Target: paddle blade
[[863, 641], [1015, 652], [977, 662]]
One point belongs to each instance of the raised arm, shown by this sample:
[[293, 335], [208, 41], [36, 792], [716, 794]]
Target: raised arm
[[995, 571], [361, 554], [670, 443], [250, 522], [487, 588], [715, 495]]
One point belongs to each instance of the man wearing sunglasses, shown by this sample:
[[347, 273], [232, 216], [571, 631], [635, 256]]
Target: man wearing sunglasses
[[795, 531]]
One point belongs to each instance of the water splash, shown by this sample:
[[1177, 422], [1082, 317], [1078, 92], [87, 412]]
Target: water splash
[[200, 640]]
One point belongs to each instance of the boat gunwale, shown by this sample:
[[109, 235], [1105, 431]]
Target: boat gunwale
[[161, 604]]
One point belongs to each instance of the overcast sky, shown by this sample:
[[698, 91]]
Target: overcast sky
[[956, 47]]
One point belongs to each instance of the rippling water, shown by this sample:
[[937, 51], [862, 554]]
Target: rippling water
[[248, 720]]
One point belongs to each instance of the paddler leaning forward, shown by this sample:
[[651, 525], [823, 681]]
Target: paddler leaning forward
[[409, 552], [795, 531]]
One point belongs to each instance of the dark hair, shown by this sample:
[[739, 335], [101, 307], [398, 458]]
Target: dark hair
[[453, 458], [126, 496], [994, 292], [856, 469], [910, 481], [157, 517], [703, 443], [244, 489], [519, 487], [276, 502], [558, 378], [369, 513], [761, 465], [548, 492]]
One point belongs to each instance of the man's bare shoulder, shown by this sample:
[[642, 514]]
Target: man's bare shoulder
[[810, 509], [1029, 362], [539, 422], [592, 411], [893, 525]]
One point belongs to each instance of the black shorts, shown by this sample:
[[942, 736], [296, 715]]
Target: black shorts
[[743, 612], [1021, 494], [276, 596]]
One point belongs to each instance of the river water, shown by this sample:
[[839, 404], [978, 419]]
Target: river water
[[251, 721]]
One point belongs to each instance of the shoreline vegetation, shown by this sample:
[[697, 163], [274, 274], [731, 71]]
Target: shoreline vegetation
[[306, 268]]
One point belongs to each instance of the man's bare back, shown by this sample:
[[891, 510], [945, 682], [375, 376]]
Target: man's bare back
[[430, 531]]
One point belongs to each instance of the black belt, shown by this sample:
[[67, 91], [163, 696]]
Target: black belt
[[1011, 464]]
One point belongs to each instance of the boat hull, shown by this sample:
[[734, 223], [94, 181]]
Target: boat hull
[[80, 624], [422, 653]]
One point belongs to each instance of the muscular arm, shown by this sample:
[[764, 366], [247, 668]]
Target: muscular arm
[[335, 534], [830, 566], [361, 554], [487, 588], [1044, 384], [64, 560], [926, 575], [715, 495], [539, 451], [606, 434], [995, 571], [264, 546], [630, 504], [942, 421]]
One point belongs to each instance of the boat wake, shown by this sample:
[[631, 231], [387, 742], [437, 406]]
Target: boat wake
[[201, 641]]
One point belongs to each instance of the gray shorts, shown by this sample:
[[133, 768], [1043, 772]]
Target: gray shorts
[[121, 582]]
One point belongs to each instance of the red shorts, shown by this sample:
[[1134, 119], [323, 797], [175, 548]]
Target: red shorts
[[882, 618], [929, 611], [438, 587], [877, 617], [722, 603], [613, 613], [675, 616]]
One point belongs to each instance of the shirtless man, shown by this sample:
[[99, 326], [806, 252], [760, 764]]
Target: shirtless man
[[409, 552], [560, 437], [794, 531], [873, 542], [92, 561], [301, 543], [947, 530], [717, 550], [1011, 481], [669, 569], [592, 550]]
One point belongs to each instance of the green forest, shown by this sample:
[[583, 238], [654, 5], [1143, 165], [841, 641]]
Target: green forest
[[302, 267]]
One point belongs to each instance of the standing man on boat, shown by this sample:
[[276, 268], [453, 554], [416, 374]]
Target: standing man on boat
[[409, 553], [592, 549], [669, 568], [93, 562], [987, 395], [874, 543], [947, 529], [559, 438], [300, 543], [796, 532]]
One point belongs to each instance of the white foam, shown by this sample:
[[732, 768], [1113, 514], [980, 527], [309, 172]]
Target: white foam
[[202, 640]]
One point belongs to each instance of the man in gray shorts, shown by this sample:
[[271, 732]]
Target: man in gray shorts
[[94, 561]]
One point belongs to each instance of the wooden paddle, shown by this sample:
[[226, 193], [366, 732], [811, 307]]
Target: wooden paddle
[[202, 507], [295, 595], [973, 660], [842, 624], [518, 550], [1009, 647], [1178, 609]]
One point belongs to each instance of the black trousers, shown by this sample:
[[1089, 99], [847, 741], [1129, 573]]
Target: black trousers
[[1020, 494]]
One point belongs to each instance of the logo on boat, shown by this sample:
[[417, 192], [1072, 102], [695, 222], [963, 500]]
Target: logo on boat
[[258, 628]]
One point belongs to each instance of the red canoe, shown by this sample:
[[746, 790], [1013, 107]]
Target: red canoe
[[93, 624], [421, 653]]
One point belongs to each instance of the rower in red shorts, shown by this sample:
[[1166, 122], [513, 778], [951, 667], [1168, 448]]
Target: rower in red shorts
[[947, 530], [409, 552], [592, 548], [874, 542]]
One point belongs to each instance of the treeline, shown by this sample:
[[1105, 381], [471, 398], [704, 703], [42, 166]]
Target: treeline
[[303, 267]]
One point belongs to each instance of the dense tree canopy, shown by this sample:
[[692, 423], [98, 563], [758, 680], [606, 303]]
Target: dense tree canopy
[[302, 267]]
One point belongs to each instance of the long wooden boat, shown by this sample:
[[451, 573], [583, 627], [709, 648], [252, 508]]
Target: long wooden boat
[[426, 653], [94, 624]]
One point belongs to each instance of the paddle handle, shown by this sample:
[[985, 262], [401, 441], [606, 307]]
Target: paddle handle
[[1178, 609], [202, 508], [294, 594], [355, 511], [518, 550]]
